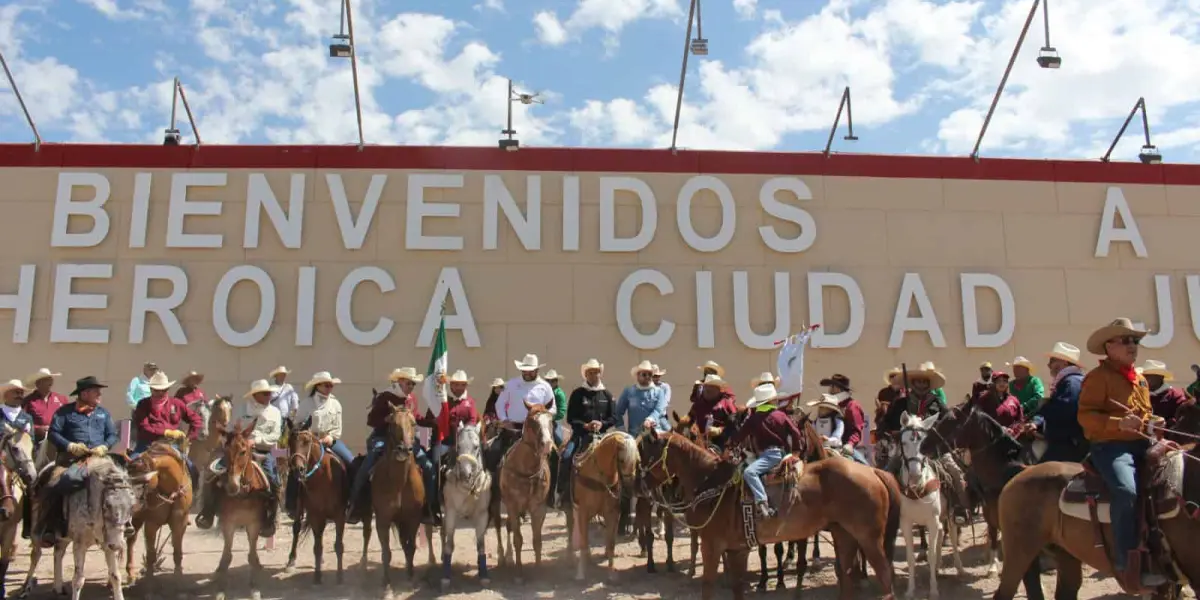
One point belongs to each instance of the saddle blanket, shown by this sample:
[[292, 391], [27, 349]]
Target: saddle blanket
[[1073, 501]]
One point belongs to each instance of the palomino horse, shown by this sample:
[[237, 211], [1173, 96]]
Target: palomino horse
[[397, 496], [243, 505], [859, 504], [163, 489], [16, 475], [466, 495], [320, 497], [99, 514], [923, 503], [525, 481], [598, 473], [216, 416]]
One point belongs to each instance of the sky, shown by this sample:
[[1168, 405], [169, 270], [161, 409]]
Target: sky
[[921, 73]]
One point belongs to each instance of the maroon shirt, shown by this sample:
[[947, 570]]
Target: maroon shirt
[[190, 395], [152, 418], [1007, 412], [42, 410], [1167, 403], [721, 409], [460, 412], [771, 429], [855, 421], [381, 408]]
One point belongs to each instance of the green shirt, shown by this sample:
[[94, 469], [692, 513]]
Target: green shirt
[[1193, 389], [1030, 395], [941, 393], [560, 401]]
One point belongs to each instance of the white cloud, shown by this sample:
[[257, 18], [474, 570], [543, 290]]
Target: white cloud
[[612, 16], [138, 9], [496, 5], [745, 8], [549, 30]]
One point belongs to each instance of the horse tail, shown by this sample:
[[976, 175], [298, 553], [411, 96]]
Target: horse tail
[[892, 529]]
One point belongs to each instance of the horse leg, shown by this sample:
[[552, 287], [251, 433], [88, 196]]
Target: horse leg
[[255, 564], [1021, 565], [130, 573], [317, 525], [500, 527], [872, 551], [366, 544], [408, 542], [669, 535], [695, 543], [113, 561], [385, 551], [178, 530], [610, 545], [712, 563], [801, 564], [60, 554], [934, 555], [449, 524], [779, 567], [35, 557], [536, 519], [954, 531], [736, 562], [339, 530], [150, 537], [993, 533], [584, 548], [910, 555], [481, 528], [1070, 578], [297, 528], [80, 559], [791, 552], [763, 569]]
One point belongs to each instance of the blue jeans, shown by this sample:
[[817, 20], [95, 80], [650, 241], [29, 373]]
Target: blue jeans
[[342, 451], [1118, 463], [268, 465], [769, 459], [375, 447]]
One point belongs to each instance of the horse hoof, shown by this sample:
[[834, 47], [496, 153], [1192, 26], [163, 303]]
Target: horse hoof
[[484, 581], [256, 595], [220, 596], [289, 570], [445, 585]]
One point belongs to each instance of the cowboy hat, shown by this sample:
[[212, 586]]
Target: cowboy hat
[[715, 380], [150, 365], [892, 372], [827, 401], [259, 386], [659, 372], [591, 365], [87, 383], [837, 379], [460, 376], [762, 394], [319, 378], [38, 375], [497, 382], [405, 374], [1119, 327], [14, 384], [1157, 367], [159, 381], [1021, 361], [929, 371], [764, 377], [550, 375], [643, 366], [280, 370], [529, 363], [985, 364], [193, 375], [714, 366], [1064, 351]]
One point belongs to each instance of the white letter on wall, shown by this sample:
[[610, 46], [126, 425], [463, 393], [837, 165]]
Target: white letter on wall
[[1166, 315], [969, 283], [306, 301], [65, 301], [1193, 290], [741, 311], [164, 307], [794, 214], [266, 306], [354, 232], [64, 207], [449, 284], [1114, 203], [260, 197], [139, 217], [21, 303], [609, 242], [528, 227], [419, 209], [625, 323], [683, 214], [570, 222], [823, 338], [179, 208], [706, 335], [913, 290], [345, 302]]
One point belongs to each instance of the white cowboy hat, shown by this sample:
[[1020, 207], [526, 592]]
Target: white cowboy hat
[[929, 371], [762, 394], [892, 372], [258, 386], [1119, 327], [280, 370], [764, 377], [529, 363], [1064, 351], [827, 401], [14, 384], [460, 376], [987, 364], [715, 380], [550, 375], [642, 366], [497, 382], [714, 366], [1021, 361], [321, 377], [159, 381], [659, 372], [591, 365], [1157, 367], [406, 373], [37, 376]]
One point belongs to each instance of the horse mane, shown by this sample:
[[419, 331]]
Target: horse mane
[[389, 394], [815, 449], [693, 451], [995, 432], [161, 448]]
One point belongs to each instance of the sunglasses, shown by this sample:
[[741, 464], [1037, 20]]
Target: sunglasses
[[1127, 340]]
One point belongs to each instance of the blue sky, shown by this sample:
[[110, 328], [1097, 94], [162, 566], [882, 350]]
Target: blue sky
[[434, 72]]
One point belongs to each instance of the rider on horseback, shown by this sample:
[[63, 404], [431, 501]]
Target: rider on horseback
[[713, 404], [853, 419], [321, 414], [455, 408], [1001, 405], [42, 402], [160, 417], [590, 412], [770, 431]]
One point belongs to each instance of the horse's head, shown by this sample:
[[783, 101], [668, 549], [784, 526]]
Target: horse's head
[[913, 433], [980, 432], [652, 448], [942, 436], [468, 451], [1187, 421], [627, 456], [17, 450], [402, 432], [219, 417], [300, 447], [239, 454], [539, 427], [117, 499]]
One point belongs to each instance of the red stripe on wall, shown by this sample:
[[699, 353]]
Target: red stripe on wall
[[83, 156]]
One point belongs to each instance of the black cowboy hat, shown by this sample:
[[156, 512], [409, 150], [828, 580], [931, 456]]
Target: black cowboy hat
[[839, 380], [87, 383]]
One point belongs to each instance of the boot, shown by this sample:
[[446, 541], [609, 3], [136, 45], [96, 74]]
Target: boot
[[26, 517], [271, 514], [765, 511], [209, 499], [1130, 578], [49, 526], [290, 496], [433, 509]]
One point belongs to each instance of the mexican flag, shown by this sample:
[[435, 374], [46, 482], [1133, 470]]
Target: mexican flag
[[439, 361]]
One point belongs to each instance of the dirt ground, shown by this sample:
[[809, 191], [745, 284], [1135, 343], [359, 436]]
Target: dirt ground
[[553, 579]]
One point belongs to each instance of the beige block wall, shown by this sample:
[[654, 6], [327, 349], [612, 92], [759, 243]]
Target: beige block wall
[[1039, 236]]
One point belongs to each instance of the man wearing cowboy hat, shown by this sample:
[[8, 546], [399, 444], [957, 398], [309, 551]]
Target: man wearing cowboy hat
[[980, 387], [657, 378], [714, 406], [644, 402], [591, 411], [510, 406], [1115, 410], [42, 402], [853, 417], [458, 409], [922, 401], [13, 416], [138, 386], [284, 399], [161, 417], [1026, 386], [772, 436], [489, 406], [1057, 419], [78, 430], [1165, 398], [888, 395], [403, 381]]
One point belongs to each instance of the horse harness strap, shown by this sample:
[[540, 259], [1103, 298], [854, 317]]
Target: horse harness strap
[[930, 487]]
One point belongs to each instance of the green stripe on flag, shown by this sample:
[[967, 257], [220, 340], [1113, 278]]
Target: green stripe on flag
[[438, 360]]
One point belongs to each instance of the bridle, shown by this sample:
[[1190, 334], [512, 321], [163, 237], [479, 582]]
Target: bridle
[[305, 458]]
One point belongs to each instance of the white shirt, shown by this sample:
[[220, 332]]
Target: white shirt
[[285, 399], [667, 389], [11, 412], [268, 427], [510, 406]]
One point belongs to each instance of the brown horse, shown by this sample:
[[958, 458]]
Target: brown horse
[[599, 473], [397, 496], [246, 492], [525, 481], [321, 497], [217, 417], [859, 504], [16, 475], [164, 496]]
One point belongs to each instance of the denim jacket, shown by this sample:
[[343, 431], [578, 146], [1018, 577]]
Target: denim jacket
[[642, 404], [93, 429]]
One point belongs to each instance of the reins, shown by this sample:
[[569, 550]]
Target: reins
[[679, 509]]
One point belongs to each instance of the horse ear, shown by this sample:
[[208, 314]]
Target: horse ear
[[249, 429], [905, 419], [675, 415], [374, 393]]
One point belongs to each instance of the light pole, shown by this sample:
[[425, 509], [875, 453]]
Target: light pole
[[343, 46], [699, 47], [172, 136], [1048, 58], [1004, 80], [510, 144], [37, 137], [845, 103], [1149, 154]]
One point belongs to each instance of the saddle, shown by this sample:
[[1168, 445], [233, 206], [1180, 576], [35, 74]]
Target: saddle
[[1087, 497]]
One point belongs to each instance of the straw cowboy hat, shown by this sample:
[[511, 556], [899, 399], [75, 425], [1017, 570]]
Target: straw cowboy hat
[[1021, 361], [642, 366], [460, 376], [259, 386], [591, 365], [1064, 351], [280, 370], [497, 382], [929, 371], [405, 373], [159, 381], [1157, 367], [762, 394], [659, 372], [985, 365], [764, 377], [550, 375], [319, 378], [38, 375], [892, 372], [827, 401], [714, 366], [715, 380], [529, 363], [1119, 327], [14, 384]]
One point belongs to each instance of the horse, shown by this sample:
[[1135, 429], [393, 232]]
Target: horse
[[243, 505], [467, 495], [320, 498], [17, 474], [163, 489], [598, 474], [216, 416], [923, 503], [397, 496], [101, 513], [525, 481], [859, 504]]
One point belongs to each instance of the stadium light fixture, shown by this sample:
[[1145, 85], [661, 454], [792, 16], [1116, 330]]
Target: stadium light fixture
[[850, 137], [699, 44], [171, 135], [343, 47], [511, 144], [687, 48], [1048, 57], [12, 83], [1149, 154], [1004, 80]]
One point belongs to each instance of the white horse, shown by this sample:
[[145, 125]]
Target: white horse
[[466, 495], [99, 514], [923, 503]]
